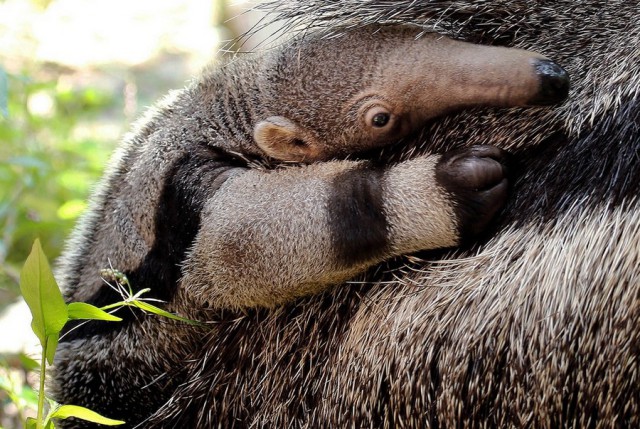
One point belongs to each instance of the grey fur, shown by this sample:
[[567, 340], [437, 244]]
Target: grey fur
[[191, 210], [537, 327]]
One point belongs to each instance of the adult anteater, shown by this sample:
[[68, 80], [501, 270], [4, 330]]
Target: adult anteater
[[535, 327]]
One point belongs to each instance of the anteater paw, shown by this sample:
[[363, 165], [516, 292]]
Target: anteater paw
[[476, 179]]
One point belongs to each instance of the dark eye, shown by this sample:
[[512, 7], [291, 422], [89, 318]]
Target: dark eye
[[380, 119], [378, 116]]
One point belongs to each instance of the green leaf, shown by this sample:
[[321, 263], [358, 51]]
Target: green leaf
[[31, 423], [66, 411], [160, 312], [82, 310], [29, 396], [52, 345], [71, 209], [29, 364], [44, 299]]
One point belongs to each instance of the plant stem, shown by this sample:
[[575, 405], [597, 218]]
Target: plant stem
[[41, 390]]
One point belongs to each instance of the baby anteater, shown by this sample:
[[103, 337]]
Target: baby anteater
[[183, 213], [316, 99]]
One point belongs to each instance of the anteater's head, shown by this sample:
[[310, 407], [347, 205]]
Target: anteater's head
[[331, 95]]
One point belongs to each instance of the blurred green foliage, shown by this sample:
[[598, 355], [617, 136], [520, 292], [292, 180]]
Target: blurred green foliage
[[46, 167], [15, 392]]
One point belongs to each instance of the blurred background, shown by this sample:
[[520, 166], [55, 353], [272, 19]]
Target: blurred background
[[74, 74]]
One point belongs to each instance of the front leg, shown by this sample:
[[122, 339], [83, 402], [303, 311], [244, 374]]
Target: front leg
[[268, 237]]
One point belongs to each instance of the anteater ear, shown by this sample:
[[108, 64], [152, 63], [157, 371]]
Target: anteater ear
[[283, 139]]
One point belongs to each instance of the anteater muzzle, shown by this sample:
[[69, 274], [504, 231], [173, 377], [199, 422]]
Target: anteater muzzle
[[434, 74]]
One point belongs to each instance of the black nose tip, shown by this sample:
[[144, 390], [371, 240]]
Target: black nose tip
[[554, 83]]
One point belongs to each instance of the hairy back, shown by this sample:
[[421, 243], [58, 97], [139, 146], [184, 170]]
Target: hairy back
[[536, 326]]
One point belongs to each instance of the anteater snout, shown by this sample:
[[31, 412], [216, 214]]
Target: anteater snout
[[554, 83]]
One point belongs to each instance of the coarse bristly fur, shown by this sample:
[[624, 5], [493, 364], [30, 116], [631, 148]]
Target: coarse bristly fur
[[535, 327]]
